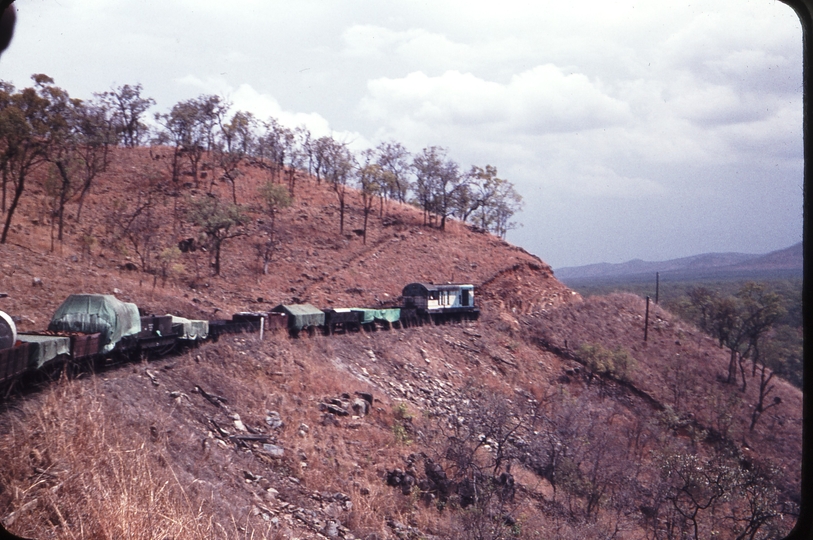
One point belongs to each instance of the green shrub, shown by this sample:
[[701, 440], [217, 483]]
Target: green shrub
[[403, 423], [617, 362]]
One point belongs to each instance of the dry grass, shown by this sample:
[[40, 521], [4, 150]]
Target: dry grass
[[114, 456], [71, 460]]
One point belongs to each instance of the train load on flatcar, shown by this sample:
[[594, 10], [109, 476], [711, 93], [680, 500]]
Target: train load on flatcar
[[100, 328], [97, 313]]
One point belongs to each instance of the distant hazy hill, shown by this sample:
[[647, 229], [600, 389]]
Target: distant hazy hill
[[786, 261]]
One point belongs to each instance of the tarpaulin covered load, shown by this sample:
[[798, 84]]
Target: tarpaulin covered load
[[368, 315], [43, 349], [102, 313], [301, 315], [191, 329]]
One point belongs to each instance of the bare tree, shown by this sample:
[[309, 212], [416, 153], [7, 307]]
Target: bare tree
[[472, 463]]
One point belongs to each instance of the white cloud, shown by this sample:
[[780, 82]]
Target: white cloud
[[586, 101], [415, 46], [540, 100], [265, 106]]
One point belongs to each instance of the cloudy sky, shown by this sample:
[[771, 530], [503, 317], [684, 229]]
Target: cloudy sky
[[646, 129]]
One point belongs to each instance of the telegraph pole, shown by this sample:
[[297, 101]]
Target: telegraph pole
[[646, 320]]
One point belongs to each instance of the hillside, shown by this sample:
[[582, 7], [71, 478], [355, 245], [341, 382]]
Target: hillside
[[487, 429]]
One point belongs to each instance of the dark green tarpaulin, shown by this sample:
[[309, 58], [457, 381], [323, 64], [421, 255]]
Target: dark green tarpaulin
[[102, 313], [390, 315], [43, 349], [301, 315]]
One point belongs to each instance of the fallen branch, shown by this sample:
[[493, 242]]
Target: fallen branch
[[152, 377], [213, 399], [258, 438]]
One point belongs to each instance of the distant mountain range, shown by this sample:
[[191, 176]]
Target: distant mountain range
[[784, 262]]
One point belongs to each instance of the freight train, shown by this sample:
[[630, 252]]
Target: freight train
[[90, 327]]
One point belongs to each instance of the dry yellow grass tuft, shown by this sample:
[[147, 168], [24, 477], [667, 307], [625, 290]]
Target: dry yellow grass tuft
[[70, 458]]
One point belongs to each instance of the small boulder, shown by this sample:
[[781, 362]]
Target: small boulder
[[361, 407], [274, 451], [274, 420]]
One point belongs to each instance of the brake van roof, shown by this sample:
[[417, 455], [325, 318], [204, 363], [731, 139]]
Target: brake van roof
[[416, 289]]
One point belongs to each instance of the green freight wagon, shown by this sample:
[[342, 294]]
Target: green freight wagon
[[301, 316], [386, 317]]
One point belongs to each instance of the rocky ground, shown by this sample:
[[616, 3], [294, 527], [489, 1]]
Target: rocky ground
[[364, 435]]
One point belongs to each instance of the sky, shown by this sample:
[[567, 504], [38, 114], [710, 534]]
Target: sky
[[650, 129]]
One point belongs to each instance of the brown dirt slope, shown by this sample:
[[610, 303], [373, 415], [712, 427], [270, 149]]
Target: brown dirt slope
[[234, 439]]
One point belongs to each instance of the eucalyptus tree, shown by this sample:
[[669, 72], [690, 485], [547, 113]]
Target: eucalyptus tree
[[504, 205], [189, 127], [25, 139], [393, 158], [427, 166], [321, 150], [306, 146], [488, 201], [93, 122], [218, 221], [274, 198], [235, 143], [761, 310], [742, 323], [438, 183], [372, 182], [273, 146], [294, 154], [129, 108], [338, 163], [62, 151]]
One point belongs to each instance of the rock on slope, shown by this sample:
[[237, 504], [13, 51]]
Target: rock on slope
[[249, 438]]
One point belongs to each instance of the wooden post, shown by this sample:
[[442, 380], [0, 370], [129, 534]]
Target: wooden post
[[646, 320], [657, 285]]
